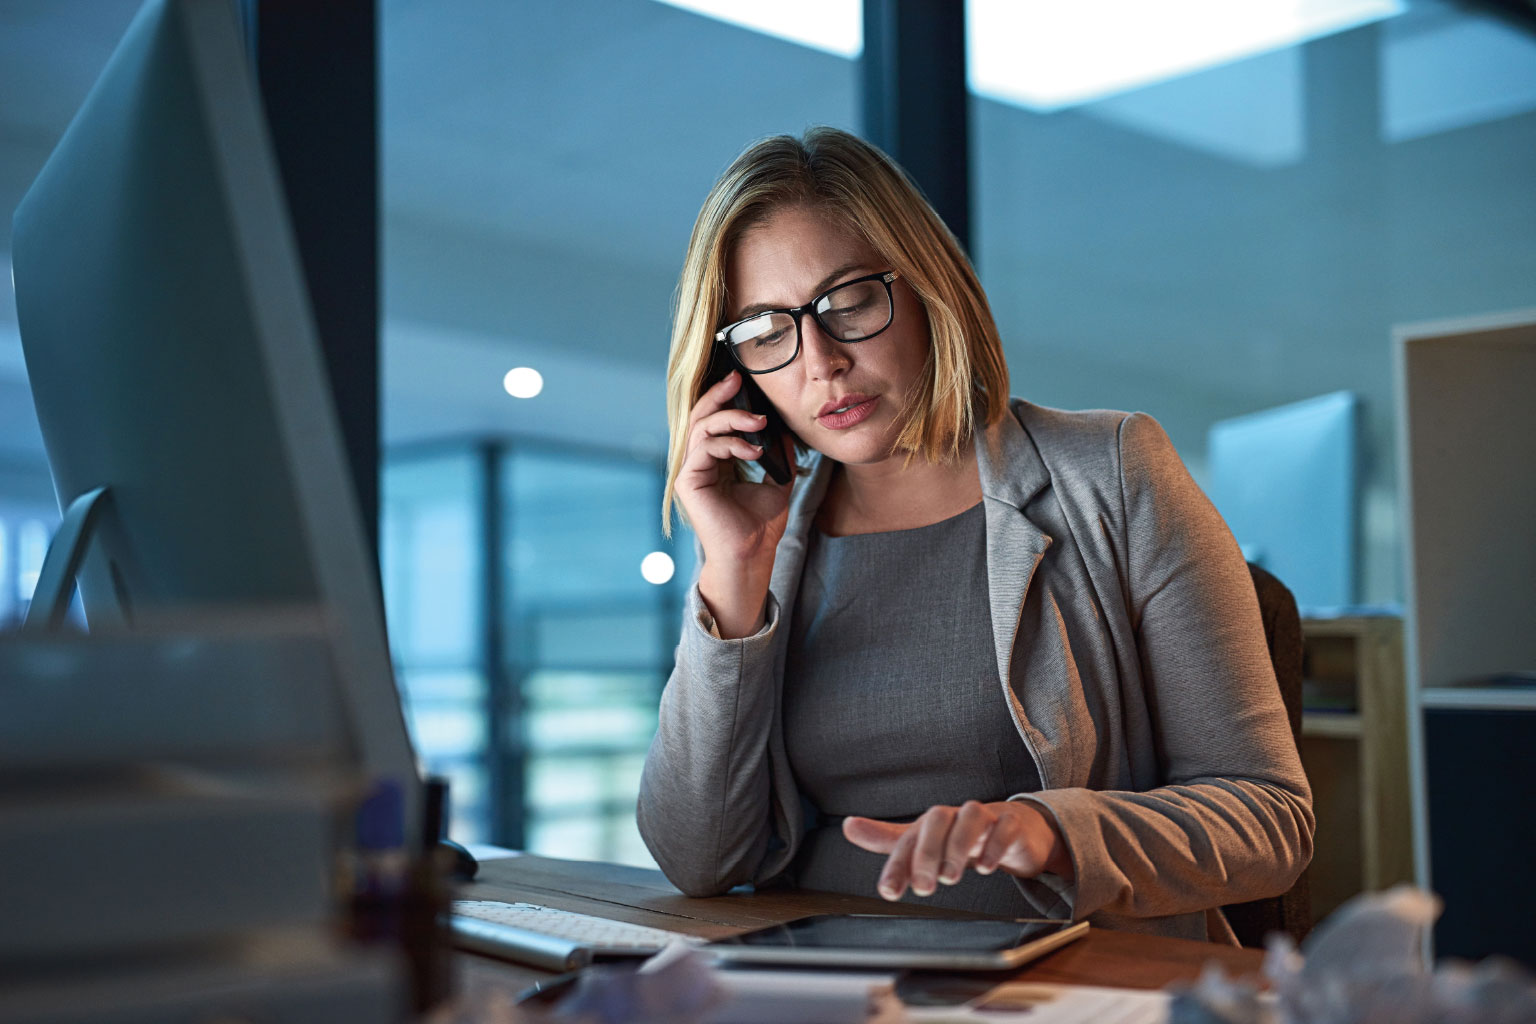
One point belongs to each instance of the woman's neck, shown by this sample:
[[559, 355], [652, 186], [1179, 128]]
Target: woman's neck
[[899, 494]]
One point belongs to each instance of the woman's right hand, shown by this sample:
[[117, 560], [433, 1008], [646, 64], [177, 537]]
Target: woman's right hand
[[738, 523]]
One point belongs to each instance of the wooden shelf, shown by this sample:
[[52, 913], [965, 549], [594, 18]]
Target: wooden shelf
[[1357, 762], [1479, 698], [1334, 724]]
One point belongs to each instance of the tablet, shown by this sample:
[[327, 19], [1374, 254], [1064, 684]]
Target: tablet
[[878, 940]]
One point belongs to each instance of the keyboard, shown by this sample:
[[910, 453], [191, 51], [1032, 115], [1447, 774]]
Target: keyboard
[[556, 940]]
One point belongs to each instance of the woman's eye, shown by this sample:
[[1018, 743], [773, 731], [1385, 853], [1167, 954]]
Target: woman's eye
[[770, 338]]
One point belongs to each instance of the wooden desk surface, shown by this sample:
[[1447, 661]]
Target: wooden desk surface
[[643, 896]]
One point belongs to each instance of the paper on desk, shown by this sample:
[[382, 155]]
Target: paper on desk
[[1029, 1003], [681, 985], [793, 997]]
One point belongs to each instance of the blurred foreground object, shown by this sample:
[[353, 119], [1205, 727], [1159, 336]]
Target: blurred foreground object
[[170, 803], [1365, 963], [680, 985]]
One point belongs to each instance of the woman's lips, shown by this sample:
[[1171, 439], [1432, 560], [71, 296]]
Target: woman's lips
[[852, 414]]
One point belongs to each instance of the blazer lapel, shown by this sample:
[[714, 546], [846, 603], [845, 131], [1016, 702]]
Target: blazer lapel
[[1011, 474], [789, 560]]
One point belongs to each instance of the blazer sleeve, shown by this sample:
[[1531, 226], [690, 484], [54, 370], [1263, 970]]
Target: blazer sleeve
[[1233, 820], [706, 809]]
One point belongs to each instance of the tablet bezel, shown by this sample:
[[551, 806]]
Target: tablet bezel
[[730, 951]]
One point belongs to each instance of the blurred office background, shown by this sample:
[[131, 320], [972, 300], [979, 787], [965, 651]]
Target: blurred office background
[[1201, 215]]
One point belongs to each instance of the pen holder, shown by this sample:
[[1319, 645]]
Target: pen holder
[[399, 898]]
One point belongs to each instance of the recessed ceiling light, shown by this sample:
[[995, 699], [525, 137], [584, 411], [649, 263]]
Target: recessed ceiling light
[[523, 382], [833, 26], [657, 567], [1045, 54]]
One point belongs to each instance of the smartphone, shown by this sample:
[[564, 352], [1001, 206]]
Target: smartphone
[[751, 398]]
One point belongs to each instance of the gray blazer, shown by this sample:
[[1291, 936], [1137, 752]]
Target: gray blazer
[[1133, 658]]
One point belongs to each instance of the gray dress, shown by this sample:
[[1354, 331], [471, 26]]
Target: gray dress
[[892, 701]]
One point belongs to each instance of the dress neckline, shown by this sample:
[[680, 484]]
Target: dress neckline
[[820, 534]]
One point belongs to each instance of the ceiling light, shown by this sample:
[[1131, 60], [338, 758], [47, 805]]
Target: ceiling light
[[657, 567], [1045, 54], [523, 382], [832, 26]]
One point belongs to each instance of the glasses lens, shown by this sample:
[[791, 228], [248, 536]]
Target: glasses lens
[[855, 311], [764, 342]]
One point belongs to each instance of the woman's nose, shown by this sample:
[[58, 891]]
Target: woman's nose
[[824, 357]]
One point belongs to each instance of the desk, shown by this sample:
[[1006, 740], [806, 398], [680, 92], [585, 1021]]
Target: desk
[[644, 896]]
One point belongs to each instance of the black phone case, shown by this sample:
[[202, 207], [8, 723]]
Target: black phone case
[[751, 398]]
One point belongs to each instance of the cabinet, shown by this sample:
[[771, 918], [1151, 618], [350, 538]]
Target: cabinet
[[1354, 747], [1468, 479], [1476, 742]]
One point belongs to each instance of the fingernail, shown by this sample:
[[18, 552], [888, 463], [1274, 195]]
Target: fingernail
[[985, 869], [922, 885], [949, 874], [889, 891]]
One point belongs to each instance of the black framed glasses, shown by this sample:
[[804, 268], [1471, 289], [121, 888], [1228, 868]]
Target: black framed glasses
[[853, 311]]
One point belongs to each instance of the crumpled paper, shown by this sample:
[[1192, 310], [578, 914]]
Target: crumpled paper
[[676, 986], [1365, 965], [681, 985]]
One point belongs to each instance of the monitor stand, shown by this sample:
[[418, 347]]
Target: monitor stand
[[61, 565]]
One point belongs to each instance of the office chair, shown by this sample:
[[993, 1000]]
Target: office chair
[[1291, 911]]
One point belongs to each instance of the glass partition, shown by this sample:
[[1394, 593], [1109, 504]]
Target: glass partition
[[530, 646], [430, 543], [589, 642], [1245, 233], [542, 165]]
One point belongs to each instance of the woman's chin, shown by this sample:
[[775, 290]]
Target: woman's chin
[[855, 450]]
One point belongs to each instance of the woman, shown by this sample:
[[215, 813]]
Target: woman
[[1004, 657]]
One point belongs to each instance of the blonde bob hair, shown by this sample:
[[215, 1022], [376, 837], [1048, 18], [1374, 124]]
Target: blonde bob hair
[[965, 378]]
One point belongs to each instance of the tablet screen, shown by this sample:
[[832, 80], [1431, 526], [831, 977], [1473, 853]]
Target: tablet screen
[[877, 932]]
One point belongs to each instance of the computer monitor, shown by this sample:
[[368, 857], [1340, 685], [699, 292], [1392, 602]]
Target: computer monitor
[[1287, 482], [173, 359]]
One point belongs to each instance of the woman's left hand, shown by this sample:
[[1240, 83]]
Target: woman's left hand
[[939, 846]]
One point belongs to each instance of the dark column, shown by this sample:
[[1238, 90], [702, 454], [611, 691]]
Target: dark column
[[506, 751], [316, 65], [915, 101]]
